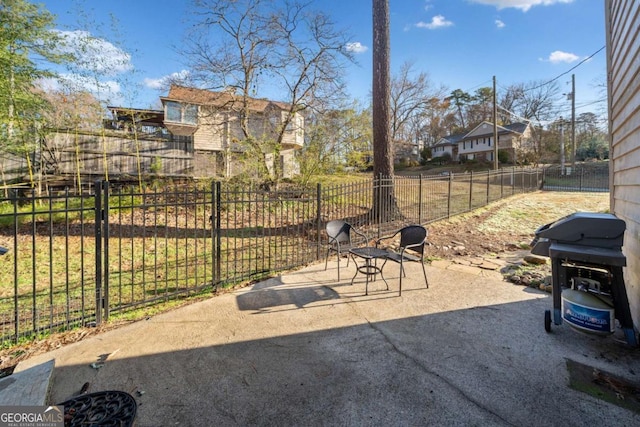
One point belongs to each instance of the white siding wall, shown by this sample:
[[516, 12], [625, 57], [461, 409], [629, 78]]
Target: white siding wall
[[623, 59], [439, 150], [477, 145]]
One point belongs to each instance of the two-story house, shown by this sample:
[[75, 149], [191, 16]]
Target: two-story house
[[447, 145], [479, 144], [213, 119]]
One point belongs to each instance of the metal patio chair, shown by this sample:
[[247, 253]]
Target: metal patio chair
[[412, 239], [340, 240]]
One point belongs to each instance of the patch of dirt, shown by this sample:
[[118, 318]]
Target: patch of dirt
[[498, 230], [507, 225]]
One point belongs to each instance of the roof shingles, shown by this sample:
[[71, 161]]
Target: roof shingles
[[217, 99]]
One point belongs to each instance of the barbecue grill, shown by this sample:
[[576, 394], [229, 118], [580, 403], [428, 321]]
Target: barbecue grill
[[586, 266]]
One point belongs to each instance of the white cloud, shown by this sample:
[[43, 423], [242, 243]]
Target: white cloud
[[95, 55], [500, 24], [437, 21], [108, 91], [164, 81], [427, 4], [356, 47], [558, 56], [523, 5], [49, 84]]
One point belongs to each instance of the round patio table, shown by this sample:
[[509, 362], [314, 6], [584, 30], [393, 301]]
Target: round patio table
[[370, 255]]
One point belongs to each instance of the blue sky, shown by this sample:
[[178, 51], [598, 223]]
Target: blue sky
[[460, 44]]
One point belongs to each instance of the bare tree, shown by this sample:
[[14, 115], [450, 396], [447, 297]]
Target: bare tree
[[411, 97], [536, 102], [415, 107], [437, 120], [241, 45]]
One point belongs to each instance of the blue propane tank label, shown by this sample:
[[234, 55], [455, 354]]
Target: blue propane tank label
[[588, 318]]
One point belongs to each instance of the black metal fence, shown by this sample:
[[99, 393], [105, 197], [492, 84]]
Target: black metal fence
[[75, 260], [581, 178]]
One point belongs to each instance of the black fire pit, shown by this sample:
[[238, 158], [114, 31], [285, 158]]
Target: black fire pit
[[102, 408]]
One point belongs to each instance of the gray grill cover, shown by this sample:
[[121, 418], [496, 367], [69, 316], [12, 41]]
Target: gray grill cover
[[597, 230]]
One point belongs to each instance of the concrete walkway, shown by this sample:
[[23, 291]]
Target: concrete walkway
[[304, 349]]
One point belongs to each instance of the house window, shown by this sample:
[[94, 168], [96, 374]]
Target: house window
[[181, 113]]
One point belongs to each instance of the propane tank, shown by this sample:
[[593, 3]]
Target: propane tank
[[588, 312]]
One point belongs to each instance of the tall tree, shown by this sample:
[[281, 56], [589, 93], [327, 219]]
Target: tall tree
[[459, 100], [480, 107], [26, 39], [381, 91]]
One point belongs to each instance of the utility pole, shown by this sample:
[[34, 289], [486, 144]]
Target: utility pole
[[495, 127], [561, 146], [573, 122]]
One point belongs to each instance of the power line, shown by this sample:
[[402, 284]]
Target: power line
[[519, 117], [587, 103], [568, 71], [478, 86]]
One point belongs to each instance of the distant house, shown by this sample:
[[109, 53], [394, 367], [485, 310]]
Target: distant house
[[447, 145], [478, 144], [206, 125], [213, 119]]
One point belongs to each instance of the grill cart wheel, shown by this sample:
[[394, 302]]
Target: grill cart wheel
[[547, 320]]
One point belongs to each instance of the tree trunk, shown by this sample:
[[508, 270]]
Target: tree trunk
[[383, 199]]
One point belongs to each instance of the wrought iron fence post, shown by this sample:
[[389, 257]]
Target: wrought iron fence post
[[488, 176], [420, 201], [212, 234], [16, 313], [471, 191], [218, 237], [98, 246], [105, 242], [318, 218], [379, 208], [449, 195], [102, 250]]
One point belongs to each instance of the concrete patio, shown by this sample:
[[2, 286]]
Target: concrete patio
[[304, 349]]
